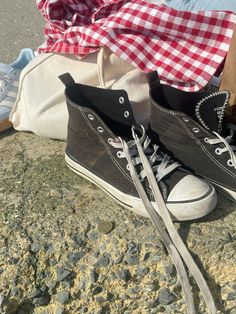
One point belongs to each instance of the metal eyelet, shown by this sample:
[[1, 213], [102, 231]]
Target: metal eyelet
[[218, 151], [128, 167], [121, 100], [126, 114], [91, 117], [195, 130], [185, 119], [110, 140], [206, 140], [230, 163], [118, 154], [100, 129]]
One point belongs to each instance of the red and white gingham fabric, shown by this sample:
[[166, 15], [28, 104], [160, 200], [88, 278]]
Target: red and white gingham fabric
[[186, 48]]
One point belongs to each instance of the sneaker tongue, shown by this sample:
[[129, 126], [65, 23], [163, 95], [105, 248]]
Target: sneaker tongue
[[210, 110]]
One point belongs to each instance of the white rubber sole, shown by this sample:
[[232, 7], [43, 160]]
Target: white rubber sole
[[180, 211]]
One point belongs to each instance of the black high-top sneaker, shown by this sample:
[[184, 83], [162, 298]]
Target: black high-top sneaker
[[99, 120], [192, 127]]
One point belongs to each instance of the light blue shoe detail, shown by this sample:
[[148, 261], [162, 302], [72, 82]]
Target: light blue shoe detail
[[9, 81], [25, 56], [205, 5]]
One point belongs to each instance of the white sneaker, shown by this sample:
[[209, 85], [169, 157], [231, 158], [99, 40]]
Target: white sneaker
[[9, 81]]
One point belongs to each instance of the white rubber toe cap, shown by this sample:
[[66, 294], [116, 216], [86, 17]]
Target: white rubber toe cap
[[189, 188], [191, 198]]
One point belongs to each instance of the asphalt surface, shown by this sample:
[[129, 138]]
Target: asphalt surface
[[54, 259], [21, 26]]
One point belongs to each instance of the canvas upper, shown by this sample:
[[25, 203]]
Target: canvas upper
[[192, 126]]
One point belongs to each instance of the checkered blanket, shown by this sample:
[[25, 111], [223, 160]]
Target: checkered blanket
[[186, 48]]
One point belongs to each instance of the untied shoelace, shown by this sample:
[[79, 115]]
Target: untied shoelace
[[136, 152]]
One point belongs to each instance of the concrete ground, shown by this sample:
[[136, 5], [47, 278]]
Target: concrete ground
[[53, 258]]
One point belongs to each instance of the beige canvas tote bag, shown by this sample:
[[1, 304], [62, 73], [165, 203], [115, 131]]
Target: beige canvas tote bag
[[40, 106], [228, 80]]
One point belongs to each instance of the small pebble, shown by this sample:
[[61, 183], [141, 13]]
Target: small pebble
[[49, 248], [97, 290], [172, 308], [66, 284], [170, 271], [150, 286], [132, 249], [114, 241], [157, 276], [75, 257], [141, 272], [102, 311], [100, 299], [151, 304], [137, 222], [59, 310], [78, 241], [93, 236], [35, 247], [51, 284], [52, 261], [165, 296], [82, 267], [132, 290], [63, 296], [132, 260], [32, 260], [15, 292], [123, 274], [94, 276], [118, 259], [41, 301], [82, 284], [96, 253], [146, 256], [14, 261], [62, 273], [103, 262]]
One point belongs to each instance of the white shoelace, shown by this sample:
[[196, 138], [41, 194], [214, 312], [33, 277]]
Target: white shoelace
[[163, 222], [5, 79], [231, 149], [163, 162]]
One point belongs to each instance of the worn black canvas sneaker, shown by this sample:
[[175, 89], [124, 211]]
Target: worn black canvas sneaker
[[99, 119], [107, 147], [193, 128]]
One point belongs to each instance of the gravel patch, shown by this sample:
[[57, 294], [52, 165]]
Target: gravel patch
[[53, 259]]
